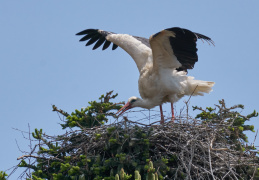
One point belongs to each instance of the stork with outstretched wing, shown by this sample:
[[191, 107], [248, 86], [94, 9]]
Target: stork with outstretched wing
[[162, 61]]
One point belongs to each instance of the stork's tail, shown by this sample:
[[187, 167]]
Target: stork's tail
[[198, 87]]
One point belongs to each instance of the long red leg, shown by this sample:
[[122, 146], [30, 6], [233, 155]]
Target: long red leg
[[172, 107], [162, 115]]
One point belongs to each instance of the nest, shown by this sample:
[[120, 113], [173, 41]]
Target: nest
[[196, 149]]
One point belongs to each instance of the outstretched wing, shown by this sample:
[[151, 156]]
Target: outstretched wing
[[176, 48], [137, 47]]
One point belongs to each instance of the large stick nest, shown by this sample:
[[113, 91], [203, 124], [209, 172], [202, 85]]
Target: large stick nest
[[202, 150]]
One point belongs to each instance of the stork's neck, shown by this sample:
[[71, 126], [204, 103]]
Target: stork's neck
[[146, 103]]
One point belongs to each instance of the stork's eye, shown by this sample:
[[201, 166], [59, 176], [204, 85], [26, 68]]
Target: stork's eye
[[133, 100]]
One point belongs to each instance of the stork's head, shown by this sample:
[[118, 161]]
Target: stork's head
[[132, 102]]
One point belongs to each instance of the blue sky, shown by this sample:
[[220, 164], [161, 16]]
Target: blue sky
[[42, 63]]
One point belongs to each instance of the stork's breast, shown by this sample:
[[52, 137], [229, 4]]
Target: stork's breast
[[149, 85]]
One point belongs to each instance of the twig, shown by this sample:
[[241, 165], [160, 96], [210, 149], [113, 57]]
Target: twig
[[39, 157]]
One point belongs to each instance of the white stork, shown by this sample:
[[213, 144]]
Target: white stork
[[162, 61]]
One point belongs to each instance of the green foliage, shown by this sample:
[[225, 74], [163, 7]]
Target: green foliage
[[117, 177], [137, 175], [95, 114], [236, 121], [123, 175], [150, 174], [37, 134], [3, 175]]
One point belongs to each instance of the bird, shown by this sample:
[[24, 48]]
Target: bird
[[163, 62]]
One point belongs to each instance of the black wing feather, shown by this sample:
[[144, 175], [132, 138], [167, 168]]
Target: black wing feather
[[106, 44], [184, 46], [87, 31], [99, 43], [203, 37], [85, 38], [94, 35], [93, 40], [114, 46]]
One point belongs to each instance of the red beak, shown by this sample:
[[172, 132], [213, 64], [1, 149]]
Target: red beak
[[124, 108]]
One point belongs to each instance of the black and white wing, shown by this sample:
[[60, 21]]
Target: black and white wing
[[137, 47], [176, 48]]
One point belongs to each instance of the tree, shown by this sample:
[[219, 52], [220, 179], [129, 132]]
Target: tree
[[211, 146]]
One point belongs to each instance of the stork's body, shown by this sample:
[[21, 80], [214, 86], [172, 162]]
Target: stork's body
[[162, 61]]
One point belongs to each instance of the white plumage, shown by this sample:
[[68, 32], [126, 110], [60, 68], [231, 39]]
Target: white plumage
[[162, 61]]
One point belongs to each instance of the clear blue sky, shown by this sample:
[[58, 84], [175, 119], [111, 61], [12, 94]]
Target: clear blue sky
[[42, 63]]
